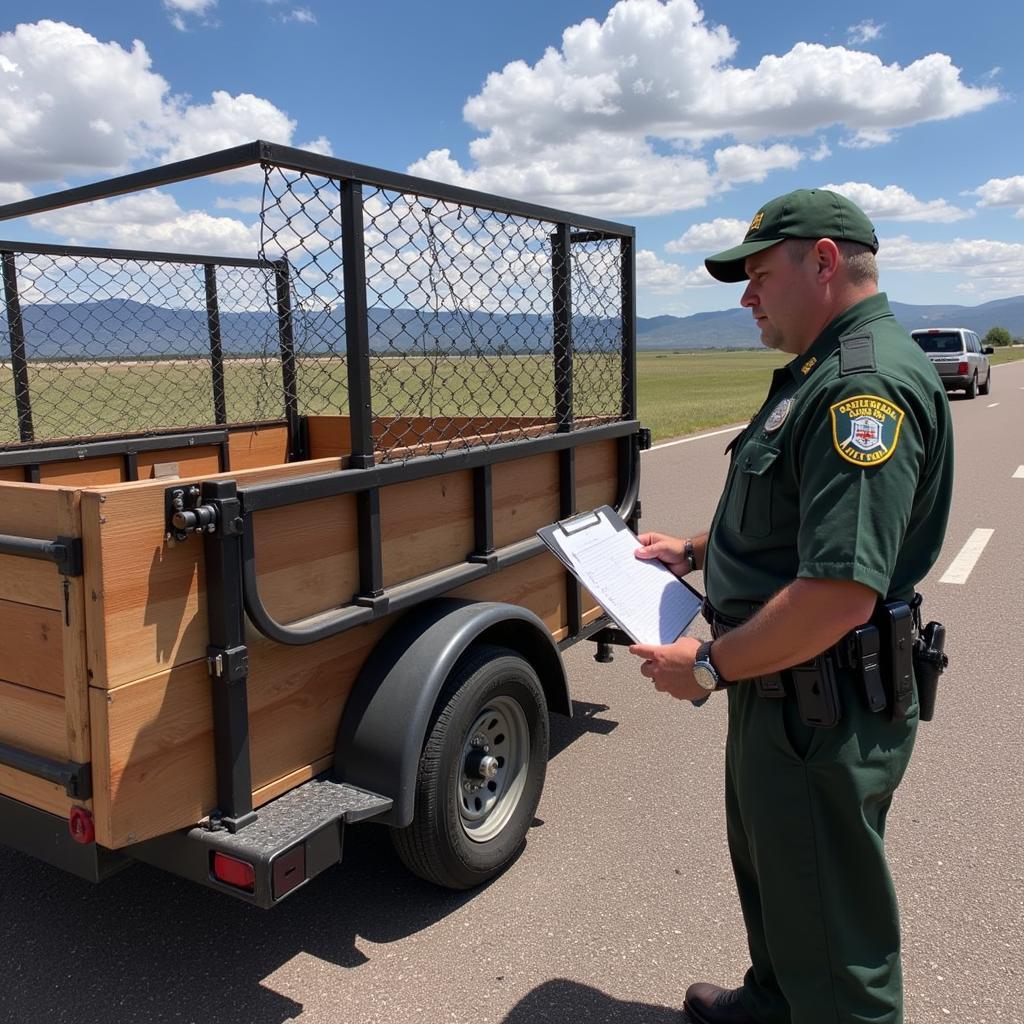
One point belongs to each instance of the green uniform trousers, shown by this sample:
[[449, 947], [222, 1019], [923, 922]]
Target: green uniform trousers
[[805, 812]]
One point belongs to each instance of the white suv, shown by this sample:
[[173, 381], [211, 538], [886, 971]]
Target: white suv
[[959, 356]]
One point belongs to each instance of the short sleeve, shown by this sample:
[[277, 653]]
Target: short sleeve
[[860, 450]]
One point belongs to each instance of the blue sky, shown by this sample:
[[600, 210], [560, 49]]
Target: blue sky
[[678, 117]]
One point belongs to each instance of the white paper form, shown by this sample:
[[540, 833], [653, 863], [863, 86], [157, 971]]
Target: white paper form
[[643, 597]]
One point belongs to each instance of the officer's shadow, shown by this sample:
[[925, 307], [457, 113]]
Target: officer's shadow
[[560, 1000]]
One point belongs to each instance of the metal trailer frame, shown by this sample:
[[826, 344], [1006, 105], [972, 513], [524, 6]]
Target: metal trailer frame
[[221, 512]]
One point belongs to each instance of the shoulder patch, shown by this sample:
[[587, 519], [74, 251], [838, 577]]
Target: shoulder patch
[[856, 353], [866, 429]]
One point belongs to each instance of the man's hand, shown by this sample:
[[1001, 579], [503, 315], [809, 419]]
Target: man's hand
[[671, 666], [667, 550]]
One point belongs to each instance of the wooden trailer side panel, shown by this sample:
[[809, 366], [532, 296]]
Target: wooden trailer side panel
[[43, 684], [150, 703]]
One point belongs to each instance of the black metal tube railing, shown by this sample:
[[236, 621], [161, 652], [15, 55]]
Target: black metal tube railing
[[390, 600]]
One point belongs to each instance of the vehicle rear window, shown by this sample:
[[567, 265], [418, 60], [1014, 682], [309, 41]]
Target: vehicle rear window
[[940, 341]]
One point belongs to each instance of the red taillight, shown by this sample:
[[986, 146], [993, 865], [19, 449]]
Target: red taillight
[[234, 872], [80, 826], [962, 369]]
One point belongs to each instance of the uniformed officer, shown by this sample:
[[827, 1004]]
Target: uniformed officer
[[837, 497]]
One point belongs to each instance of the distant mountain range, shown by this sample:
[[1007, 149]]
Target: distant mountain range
[[121, 328], [734, 328]]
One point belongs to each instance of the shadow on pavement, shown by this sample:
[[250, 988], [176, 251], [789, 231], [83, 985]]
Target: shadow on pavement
[[147, 947], [558, 1001]]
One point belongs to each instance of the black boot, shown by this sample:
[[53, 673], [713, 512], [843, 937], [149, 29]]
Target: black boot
[[709, 1004]]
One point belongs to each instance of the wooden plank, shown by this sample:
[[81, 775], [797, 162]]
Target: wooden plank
[[426, 525], [100, 759], [30, 581], [31, 647], [328, 435], [33, 720], [73, 656], [596, 475], [256, 447], [28, 510], [15, 474], [537, 584], [153, 740], [275, 789], [107, 469], [307, 556], [47, 796], [526, 496]]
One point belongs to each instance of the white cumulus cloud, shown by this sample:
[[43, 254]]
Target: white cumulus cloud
[[582, 125], [73, 105], [895, 203], [863, 32], [1001, 192], [996, 268], [710, 236], [153, 220], [736, 164], [658, 277]]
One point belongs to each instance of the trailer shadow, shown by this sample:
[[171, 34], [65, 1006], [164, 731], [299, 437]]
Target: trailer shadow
[[148, 946]]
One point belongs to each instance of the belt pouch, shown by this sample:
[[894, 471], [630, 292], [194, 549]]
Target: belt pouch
[[896, 626], [817, 693]]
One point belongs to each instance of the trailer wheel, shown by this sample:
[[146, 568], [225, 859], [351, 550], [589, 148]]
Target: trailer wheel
[[481, 771]]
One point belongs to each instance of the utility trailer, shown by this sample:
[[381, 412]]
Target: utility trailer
[[268, 552]]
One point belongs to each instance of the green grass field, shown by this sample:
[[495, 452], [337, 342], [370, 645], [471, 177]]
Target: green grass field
[[679, 392]]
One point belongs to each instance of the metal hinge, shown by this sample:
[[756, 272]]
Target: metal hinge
[[644, 438]]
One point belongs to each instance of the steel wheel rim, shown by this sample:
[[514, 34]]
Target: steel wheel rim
[[485, 805]]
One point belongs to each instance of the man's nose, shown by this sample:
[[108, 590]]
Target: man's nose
[[749, 296]]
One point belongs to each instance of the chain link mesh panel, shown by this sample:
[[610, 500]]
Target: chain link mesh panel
[[105, 345], [462, 306], [483, 325]]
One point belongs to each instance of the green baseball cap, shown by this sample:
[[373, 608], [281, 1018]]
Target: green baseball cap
[[805, 213]]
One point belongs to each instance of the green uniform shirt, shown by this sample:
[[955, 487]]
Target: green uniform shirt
[[846, 472]]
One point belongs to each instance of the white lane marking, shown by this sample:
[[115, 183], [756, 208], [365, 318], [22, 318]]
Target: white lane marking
[[961, 566], [696, 437], [993, 405], [1019, 475]]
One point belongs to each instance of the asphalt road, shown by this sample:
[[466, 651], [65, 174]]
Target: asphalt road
[[623, 895]]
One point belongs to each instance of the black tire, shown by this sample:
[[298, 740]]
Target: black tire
[[488, 685], [971, 390], [986, 388]]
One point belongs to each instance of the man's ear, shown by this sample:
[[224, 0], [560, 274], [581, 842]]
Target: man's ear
[[826, 253]]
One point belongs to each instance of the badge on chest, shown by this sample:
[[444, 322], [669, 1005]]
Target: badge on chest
[[778, 416]]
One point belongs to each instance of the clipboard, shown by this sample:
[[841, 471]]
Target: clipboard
[[644, 598]]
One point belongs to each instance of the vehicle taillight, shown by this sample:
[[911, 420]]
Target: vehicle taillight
[[962, 369], [233, 872], [81, 827]]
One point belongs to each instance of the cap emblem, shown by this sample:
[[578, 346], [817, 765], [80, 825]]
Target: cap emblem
[[756, 222]]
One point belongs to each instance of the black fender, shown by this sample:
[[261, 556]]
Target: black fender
[[388, 712]]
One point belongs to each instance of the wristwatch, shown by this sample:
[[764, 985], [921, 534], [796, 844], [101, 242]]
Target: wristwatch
[[703, 671], [689, 556]]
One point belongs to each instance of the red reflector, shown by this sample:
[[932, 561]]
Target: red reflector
[[234, 872], [962, 369], [80, 826]]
